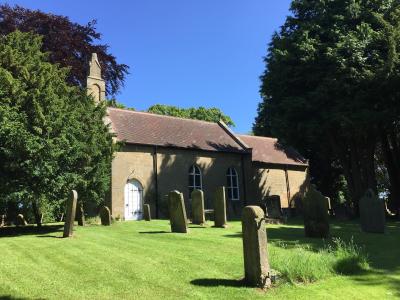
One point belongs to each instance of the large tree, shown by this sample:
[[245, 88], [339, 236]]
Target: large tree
[[70, 44], [212, 114], [52, 135], [329, 79]]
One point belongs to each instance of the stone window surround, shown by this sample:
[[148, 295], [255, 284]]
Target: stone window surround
[[231, 173]]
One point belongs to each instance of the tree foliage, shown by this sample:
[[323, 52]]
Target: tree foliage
[[70, 44], [330, 82], [201, 113], [45, 148]]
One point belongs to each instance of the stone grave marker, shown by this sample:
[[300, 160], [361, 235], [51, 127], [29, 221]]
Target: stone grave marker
[[80, 214], [70, 215], [256, 265], [198, 216], [105, 216], [220, 208], [20, 221], [177, 212], [146, 212], [273, 207], [372, 213], [315, 213]]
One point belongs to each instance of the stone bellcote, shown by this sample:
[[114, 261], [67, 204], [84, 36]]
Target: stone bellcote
[[96, 86]]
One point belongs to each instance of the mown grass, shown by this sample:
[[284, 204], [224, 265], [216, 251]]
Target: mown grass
[[133, 260]]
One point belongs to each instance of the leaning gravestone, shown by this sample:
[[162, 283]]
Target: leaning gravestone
[[220, 207], [273, 207], [70, 215], [315, 213], [146, 212], [20, 221], [80, 214], [256, 266], [198, 216], [372, 213], [105, 216], [177, 212]]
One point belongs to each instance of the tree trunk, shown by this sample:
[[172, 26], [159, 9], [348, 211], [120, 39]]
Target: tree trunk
[[36, 213]]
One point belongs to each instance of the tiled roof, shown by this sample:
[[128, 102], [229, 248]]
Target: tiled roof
[[268, 150], [151, 129]]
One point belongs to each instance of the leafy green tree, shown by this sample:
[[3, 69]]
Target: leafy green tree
[[69, 44], [201, 113], [52, 137], [329, 82]]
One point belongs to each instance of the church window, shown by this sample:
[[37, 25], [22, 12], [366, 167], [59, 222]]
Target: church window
[[232, 184], [195, 182]]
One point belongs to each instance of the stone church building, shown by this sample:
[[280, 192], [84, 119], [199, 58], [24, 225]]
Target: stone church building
[[163, 153]]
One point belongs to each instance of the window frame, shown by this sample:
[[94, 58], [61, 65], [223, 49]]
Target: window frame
[[230, 174], [194, 171]]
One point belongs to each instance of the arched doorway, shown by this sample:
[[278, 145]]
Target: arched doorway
[[133, 200]]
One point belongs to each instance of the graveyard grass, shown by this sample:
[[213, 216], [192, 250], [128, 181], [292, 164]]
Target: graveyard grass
[[144, 260]]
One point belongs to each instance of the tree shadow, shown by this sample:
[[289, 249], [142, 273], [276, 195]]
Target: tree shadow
[[9, 297], [216, 282], [154, 232], [29, 230]]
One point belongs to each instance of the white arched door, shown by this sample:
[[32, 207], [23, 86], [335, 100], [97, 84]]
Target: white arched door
[[133, 200]]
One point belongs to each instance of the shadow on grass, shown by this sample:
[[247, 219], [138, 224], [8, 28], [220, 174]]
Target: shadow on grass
[[215, 282], [29, 230], [153, 232], [9, 297]]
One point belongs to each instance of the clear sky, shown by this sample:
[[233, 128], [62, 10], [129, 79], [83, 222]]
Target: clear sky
[[184, 52]]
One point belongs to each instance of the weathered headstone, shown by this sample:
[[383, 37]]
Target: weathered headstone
[[105, 216], [20, 220], [273, 207], [146, 212], [372, 213], [315, 213], [220, 207], [198, 216], [256, 265], [80, 214], [70, 215], [177, 212]]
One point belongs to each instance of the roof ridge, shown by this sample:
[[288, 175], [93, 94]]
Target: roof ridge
[[163, 116], [258, 136]]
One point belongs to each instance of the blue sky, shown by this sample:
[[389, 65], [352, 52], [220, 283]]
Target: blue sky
[[184, 52]]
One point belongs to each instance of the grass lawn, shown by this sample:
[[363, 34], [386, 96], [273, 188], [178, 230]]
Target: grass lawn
[[142, 260]]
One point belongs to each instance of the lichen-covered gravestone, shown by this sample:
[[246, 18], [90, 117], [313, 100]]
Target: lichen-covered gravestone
[[315, 212], [198, 216], [273, 207], [105, 216], [372, 213], [177, 212], [20, 221], [220, 208], [256, 265], [70, 215], [80, 214], [146, 212]]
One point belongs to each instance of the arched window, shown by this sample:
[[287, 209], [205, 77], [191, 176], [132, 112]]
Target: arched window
[[232, 183], [195, 182]]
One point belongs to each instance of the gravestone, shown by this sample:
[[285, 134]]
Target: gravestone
[[80, 214], [372, 213], [315, 213], [177, 212], [198, 216], [220, 208], [20, 221], [146, 212], [70, 215], [2, 220], [256, 265], [273, 207], [105, 216]]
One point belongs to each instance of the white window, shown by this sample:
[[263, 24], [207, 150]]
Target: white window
[[232, 183], [195, 182]]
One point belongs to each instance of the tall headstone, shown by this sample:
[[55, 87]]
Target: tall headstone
[[372, 213], [315, 213], [146, 212], [177, 212], [96, 86], [105, 216], [80, 214], [255, 253], [220, 207], [20, 221], [198, 216], [70, 214], [273, 207]]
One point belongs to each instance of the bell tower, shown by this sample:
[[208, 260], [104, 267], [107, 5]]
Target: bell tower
[[96, 86]]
